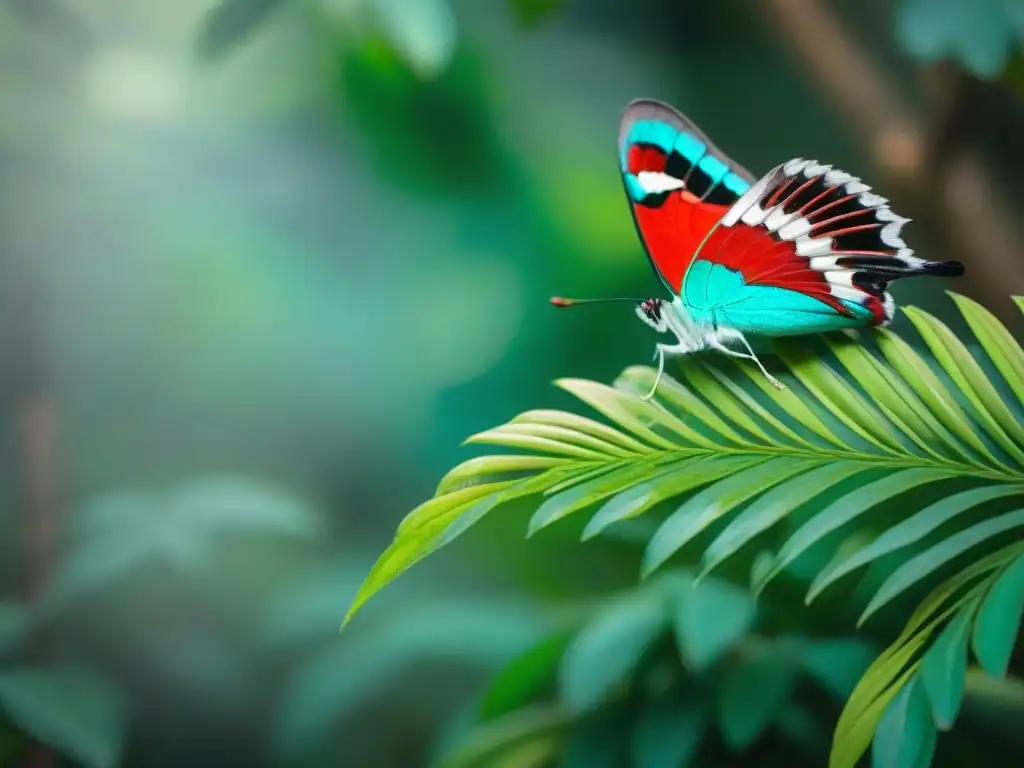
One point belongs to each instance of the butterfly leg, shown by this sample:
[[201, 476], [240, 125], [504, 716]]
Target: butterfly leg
[[660, 351], [721, 335]]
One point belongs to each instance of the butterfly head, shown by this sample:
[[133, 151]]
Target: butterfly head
[[652, 312]]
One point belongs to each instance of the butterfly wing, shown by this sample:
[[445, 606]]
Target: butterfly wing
[[806, 249], [678, 183]]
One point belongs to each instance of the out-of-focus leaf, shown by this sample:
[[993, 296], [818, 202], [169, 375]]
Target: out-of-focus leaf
[[599, 741], [530, 13], [229, 22], [516, 730], [71, 710], [521, 679], [905, 735], [421, 31], [752, 692], [710, 617], [607, 650], [12, 625], [837, 664], [668, 734], [999, 620]]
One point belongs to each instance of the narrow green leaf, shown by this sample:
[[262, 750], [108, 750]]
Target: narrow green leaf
[[547, 439], [963, 369], [228, 22], [905, 735], [765, 511], [636, 415], [710, 617], [70, 710], [583, 495], [944, 668], [716, 501], [760, 567], [439, 506], [742, 397], [723, 401], [590, 471], [671, 391], [848, 508], [841, 400], [910, 531], [606, 651], [752, 691], [582, 424], [933, 558], [895, 398], [675, 480], [999, 618], [482, 466], [1002, 348], [667, 734], [931, 390], [837, 664], [792, 405], [523, 677]]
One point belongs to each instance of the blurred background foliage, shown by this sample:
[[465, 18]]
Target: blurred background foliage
[[265, 263]]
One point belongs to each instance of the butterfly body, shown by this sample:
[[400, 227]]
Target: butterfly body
[[806, 248]]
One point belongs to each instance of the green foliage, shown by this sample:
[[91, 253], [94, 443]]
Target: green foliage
[[620, 687], [979, 35], [933, 440], [228, 22], [71, 710]]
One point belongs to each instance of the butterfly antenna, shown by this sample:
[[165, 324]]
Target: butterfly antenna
[[558, 301]]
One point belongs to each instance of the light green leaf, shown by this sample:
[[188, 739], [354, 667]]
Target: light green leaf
[[905, 736], [999, 619], [742, 397], [674, 480], [641, 378], [765, 511], [933, 558], [636, 415], [710, 617], [944, 668], [714, 502], [545, 438], [910, 531], [71, 710], [607, 650], [582, 425], [668, 734], [752, 691], [482, 466], [965, 372], [930, 389], [585, 494], [1002, 348], [841, 400], [847, 508]]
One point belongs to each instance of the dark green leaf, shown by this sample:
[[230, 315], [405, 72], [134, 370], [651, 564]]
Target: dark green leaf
[[753, 690], [999, 618], [944, 667], [521, 680], [837, 664], [540, 725], [905, 735], [71, 710], [667, 734], [530, 13]]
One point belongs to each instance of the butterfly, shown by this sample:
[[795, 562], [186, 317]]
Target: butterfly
[[806, 248]]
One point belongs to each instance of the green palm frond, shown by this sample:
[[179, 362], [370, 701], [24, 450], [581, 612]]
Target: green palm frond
[[868, 422]]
